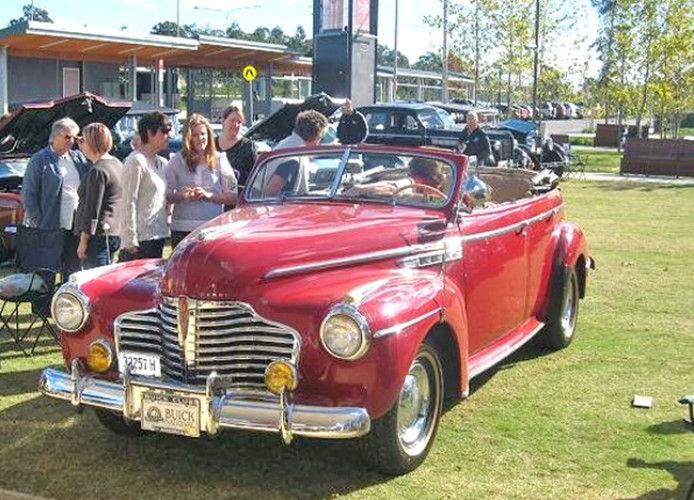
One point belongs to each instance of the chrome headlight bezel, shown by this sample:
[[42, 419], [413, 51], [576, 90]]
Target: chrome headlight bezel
[[72, 293], [362, 329]]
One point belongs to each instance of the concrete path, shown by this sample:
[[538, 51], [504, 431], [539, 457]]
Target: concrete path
[[651, 179]]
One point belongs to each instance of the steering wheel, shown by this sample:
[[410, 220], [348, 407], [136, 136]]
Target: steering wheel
[[420, 188]]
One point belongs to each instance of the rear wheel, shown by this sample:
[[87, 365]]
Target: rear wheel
[[562, 314], [400, 440], [116, 423]]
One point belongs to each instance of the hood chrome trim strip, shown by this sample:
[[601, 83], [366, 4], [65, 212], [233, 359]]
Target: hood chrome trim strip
[[391, 253]]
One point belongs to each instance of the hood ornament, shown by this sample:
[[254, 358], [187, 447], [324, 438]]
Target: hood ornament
[[183, 320]]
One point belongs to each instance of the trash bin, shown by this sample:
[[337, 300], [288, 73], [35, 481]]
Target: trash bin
[[632, 131]]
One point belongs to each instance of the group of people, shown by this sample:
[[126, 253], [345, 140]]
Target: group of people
[[99, 205]]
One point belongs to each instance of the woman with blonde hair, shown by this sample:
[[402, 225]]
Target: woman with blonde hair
[[199, 180], [99, 194]]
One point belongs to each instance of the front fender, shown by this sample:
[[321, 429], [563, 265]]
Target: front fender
[[401, 307], [111, 291]]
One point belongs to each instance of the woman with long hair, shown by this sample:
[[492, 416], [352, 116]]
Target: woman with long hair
[[239, 150], [199, 180], [99, 193]]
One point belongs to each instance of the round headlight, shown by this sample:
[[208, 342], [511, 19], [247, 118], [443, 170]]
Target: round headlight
[[69, 311], [345, 333]]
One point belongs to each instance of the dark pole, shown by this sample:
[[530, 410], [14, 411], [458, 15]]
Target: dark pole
[[395, 61], [477, 49], [535, 64]]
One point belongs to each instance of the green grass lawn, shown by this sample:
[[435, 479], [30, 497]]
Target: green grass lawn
[[599, 160], [557, 426]]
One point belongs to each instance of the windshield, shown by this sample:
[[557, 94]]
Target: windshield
[[345, 174]]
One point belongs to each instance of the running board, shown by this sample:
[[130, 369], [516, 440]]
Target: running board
[[502, 348]]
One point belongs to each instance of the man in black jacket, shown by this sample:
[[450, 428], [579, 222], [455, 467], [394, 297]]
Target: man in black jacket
[[352, 128], [473, 140]]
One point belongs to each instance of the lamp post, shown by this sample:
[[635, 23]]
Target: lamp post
[[477, 49], [227, 12], [537, 116], [444, 59], [395, 58]]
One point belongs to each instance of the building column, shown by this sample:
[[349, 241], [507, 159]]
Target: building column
[[4, 97], [131, 91], [268, 89]]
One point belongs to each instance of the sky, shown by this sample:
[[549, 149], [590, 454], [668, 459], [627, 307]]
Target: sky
[[138, 16]]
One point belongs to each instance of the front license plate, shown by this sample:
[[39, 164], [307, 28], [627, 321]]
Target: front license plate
[[171, 413], [138, 363]]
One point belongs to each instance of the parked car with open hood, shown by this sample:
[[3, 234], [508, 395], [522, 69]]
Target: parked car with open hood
[[126, 128], [280, 124], [24, 132], [350, 303]]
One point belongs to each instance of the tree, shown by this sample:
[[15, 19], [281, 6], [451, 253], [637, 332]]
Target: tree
[[33, 13], [170, 28]]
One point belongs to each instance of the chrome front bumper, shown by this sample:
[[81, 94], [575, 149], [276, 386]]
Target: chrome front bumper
[[218, 410]]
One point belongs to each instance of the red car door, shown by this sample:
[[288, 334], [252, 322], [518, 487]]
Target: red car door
[[495, 273], [541, 217]]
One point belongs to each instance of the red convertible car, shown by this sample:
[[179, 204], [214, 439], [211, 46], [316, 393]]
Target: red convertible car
[[351, 293]]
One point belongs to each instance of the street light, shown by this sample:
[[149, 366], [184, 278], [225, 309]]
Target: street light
[[537, 115], [395, 61], [227, 12]]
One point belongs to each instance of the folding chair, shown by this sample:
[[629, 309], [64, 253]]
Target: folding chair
[[38, 258], [26, 288], [575, 165]]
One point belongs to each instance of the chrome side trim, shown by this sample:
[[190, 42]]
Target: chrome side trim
[[391, 253], [231, 409], [515, 228], [400, 327]]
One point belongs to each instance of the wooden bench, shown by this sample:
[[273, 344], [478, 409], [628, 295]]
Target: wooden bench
[[608, 135], [672, 157]]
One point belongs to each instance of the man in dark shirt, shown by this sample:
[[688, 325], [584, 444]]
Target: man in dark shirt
[[473, 141], [352, 128]]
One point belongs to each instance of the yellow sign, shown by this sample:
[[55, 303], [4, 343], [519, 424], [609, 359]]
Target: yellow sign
[[249, 73]]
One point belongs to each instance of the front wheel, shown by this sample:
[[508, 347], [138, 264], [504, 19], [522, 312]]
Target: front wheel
[[400, 440], [562, 314]]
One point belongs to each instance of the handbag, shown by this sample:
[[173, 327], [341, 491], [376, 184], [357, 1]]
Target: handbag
[[38, 248]]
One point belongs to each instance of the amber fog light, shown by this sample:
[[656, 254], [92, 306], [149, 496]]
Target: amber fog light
[[280, 375], [99, 356]]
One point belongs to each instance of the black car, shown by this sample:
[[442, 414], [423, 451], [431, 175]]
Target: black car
[[280, 124], [419, 124]]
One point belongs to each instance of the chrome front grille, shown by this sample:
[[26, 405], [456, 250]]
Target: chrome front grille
[[226, 337]]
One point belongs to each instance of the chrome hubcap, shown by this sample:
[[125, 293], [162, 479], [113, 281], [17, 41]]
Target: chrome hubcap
[[418, 406], [568, 311]]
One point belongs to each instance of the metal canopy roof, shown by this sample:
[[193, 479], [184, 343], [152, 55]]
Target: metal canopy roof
[[230, 53], [47, 40]]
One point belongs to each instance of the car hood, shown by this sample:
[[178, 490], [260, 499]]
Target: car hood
[[27, 129], [230, 256], [280, 124], [520, 126]]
